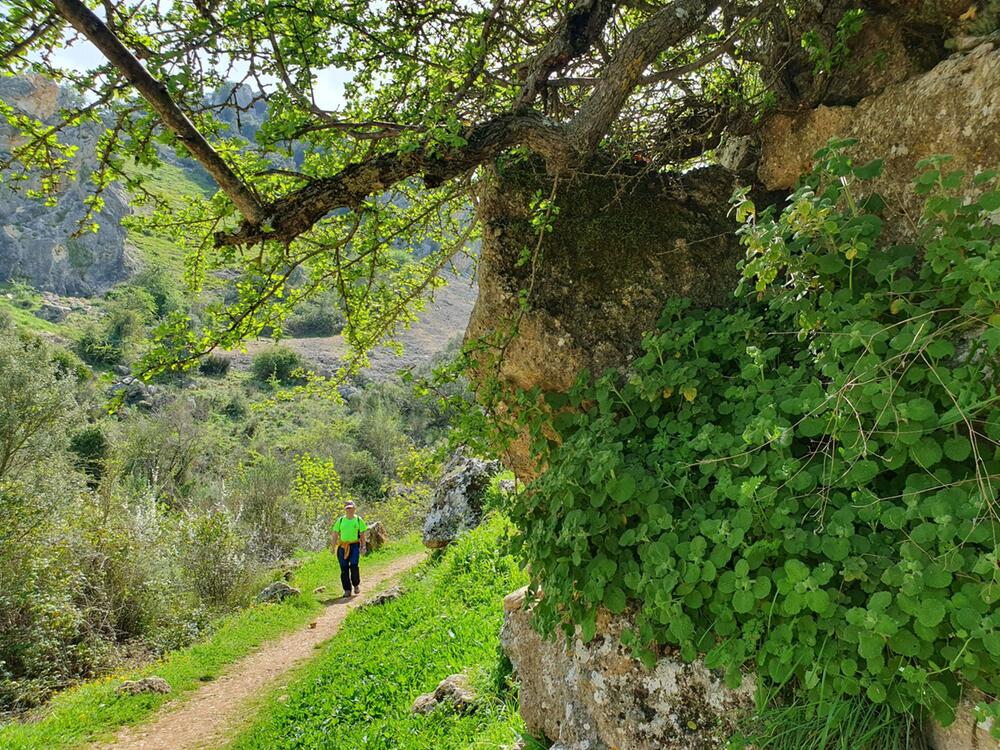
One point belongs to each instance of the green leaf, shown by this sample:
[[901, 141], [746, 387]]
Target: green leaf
[[743, 601], [958, 448], [622, 488], [931, 612], [614, 599], [926, 452]]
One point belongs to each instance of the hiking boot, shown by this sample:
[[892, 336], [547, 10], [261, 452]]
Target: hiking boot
[[347, 593], [357, 589]]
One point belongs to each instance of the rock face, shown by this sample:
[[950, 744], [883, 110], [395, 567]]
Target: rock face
[[595, 696], [457, 504], [621, 245], [952, 109], [151, 684], [37, 243], [276, 592]]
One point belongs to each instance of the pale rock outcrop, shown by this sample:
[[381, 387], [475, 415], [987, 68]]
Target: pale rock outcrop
[[45, 245], [952, 109], [455, 691], [276, 592], [151, 684], [457, 504], [965, 733], [595, 696]]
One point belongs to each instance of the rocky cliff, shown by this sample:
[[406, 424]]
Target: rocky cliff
[[40, 244]]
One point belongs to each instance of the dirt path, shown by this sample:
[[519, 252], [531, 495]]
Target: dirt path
[[209, 716]]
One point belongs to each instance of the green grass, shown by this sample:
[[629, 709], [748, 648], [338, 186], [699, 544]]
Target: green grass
[[358, 692], [93, 710], [26, 318]]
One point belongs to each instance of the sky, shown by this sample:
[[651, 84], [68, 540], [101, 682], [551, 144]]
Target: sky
[[329, 88]]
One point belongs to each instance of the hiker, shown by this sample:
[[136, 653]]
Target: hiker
[[349, 534]]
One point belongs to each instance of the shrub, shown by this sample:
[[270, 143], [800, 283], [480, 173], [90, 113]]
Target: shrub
[[215, 562], [278, 363], [318, 316], [6, 321], [801, 483], [214, 365], [96, 348], [91, 449]]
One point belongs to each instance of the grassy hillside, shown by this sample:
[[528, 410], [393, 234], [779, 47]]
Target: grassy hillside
[[358, 693]]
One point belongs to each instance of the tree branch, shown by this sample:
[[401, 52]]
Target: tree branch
[[94, 29]]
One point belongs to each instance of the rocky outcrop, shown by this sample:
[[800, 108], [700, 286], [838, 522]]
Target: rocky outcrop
[[376, 538], [457, 503], [151, 684], [952, 109], [276, 592], [621, 245], [384, 597], [39, 244], [455, 691], [595, 696]]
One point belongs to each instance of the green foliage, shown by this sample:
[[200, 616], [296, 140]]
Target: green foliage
[[317, 316], [214, 365], [91, 448], [448, 621], [803, 484], [279, 364], [214, 557]]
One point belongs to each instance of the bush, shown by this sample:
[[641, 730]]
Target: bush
[[278, 363], [91, 449], [96, 348], [318, 316], [162, 290], [214, 558], [214, 365], [800, 483]]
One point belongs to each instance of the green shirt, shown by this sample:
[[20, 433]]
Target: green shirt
[[350, 528]]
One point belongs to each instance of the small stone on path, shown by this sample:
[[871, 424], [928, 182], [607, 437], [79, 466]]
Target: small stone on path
[[145, 685]]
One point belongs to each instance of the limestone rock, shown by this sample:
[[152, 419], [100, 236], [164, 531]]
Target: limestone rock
[[376, 537], [621, 245], [41, 244], [151, 684], [457, 504], [952, 109], [595, 696], [385, 597], [276, 592], [965, 733], [454, 690]]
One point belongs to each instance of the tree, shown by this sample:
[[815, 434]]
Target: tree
[[436, 90]]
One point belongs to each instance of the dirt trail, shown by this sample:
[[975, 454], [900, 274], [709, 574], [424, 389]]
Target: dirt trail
[[209, 716]]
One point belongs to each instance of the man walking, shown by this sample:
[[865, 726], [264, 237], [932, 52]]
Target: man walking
[[349, 541]]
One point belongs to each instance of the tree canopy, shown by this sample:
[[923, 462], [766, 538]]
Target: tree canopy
[[434, 90]]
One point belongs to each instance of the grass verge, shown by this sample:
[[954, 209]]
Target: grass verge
[[93, 710], [357, 693]]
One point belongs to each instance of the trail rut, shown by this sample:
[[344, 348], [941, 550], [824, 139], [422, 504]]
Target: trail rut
[[212, 713]]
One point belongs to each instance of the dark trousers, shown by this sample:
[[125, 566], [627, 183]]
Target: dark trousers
[[349, 571]]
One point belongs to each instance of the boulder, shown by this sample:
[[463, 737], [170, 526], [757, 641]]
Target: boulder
[[952, 109], [150, 684], [276, 592], [385, 597], [457, 503], [376, 537], [595, 696], [622, 244], [455, 690]]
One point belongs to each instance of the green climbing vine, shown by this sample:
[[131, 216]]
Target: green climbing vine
[[804, 484]]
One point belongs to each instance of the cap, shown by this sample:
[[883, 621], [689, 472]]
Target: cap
[[349, 504]]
